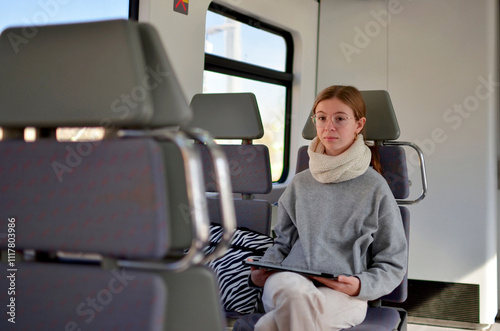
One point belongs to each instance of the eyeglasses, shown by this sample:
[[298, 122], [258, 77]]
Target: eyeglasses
[[339, 120]]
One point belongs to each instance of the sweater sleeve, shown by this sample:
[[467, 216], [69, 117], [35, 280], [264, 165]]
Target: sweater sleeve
[[389, 254], [285, 229]]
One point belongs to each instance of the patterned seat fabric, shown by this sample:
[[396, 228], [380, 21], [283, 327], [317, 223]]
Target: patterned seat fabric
[[86, 199], [249, 166]]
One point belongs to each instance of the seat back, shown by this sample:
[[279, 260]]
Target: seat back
[[250, 170], [94, 223], [250, 174]]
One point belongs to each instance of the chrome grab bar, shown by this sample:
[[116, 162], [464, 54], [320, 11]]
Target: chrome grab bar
[[423, 173], [195, 187], [224, 187]]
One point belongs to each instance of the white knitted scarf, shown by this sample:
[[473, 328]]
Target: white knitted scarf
[[335, 169]]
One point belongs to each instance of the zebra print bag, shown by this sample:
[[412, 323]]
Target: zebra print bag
[[232, 274]]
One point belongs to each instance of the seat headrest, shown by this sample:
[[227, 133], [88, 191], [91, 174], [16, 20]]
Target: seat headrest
[[109, 73], [227, 115], [381, 123]]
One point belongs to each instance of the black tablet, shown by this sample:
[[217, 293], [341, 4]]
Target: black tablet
[[270, 266]]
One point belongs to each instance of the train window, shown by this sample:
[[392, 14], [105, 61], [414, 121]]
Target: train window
[[229, 38], [243, 54], [36, 13]]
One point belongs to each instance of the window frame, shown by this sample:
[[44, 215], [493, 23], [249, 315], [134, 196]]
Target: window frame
[[133, 10], [240, 69]]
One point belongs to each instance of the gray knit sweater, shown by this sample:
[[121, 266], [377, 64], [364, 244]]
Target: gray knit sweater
[[351, 228]]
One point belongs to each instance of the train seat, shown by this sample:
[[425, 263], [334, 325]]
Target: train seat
[[250, 174], [92, 226], [382, 128], [250, 171]]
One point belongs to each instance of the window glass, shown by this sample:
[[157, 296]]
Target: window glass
[[271, 102], [244, 54], [42, 12], [229, 38]]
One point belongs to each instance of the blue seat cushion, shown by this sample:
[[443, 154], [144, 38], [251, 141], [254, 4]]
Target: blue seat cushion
[[250, 168], [377, 319]]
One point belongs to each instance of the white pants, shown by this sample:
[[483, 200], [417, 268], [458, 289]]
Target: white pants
[[294, 303]]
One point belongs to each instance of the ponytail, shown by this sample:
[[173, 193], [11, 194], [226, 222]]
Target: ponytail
[[376, 159]]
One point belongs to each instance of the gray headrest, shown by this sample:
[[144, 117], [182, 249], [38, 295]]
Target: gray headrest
[[227, 115], [381, 123], [110, 73]]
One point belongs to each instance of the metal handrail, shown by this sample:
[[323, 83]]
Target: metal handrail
[[423, 173], [195, 187], [224, 187]]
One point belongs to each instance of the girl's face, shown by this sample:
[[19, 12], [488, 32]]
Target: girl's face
[[336, 126]]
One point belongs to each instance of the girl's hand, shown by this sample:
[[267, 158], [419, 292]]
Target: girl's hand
[[259, 276], [349, 285]]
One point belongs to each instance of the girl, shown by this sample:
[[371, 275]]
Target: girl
[[340, 217]]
